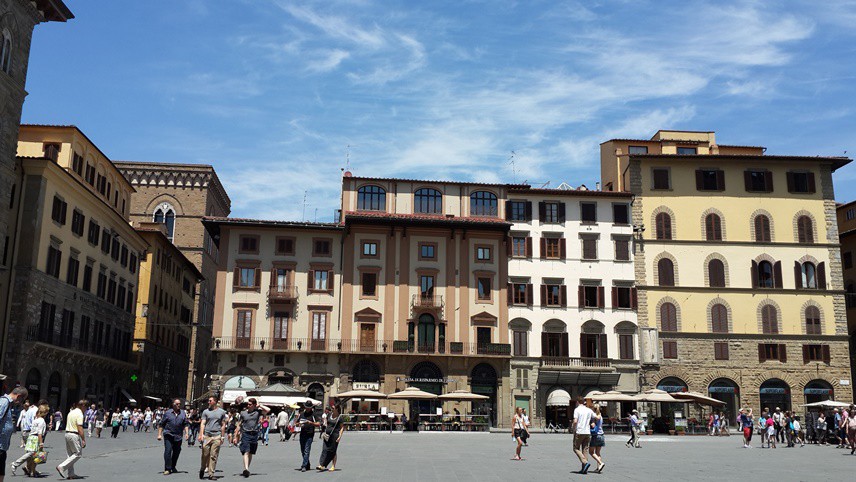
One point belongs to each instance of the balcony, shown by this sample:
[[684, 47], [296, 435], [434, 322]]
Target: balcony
[[427, 301], [88, 345], [575, 370], [405, 347], [282, 294]]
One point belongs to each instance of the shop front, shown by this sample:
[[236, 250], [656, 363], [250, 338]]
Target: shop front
[[818, 391], [558, 410], [484, 382], [726, 390], [775, 393]]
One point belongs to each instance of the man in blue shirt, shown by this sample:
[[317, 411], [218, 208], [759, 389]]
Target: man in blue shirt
[[172, 429], [7, 422]]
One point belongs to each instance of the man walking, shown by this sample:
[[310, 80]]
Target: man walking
[[126, 417], [282, 425], [211, 427], [778, 422], [634, 430], [247, 431], [307, 423], [172, 430], [7, 422], [582, 433], [89, 420], [75, 441]]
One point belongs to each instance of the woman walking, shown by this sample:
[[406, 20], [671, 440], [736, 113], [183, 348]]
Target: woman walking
[[115, 423], [519, 425], [332, 436], [265, 428], [597, 438], [850, 423], [35, 443]]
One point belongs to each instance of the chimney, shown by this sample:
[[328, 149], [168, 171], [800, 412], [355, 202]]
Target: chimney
[[597, 186]]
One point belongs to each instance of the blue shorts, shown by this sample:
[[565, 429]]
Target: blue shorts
[[249, 443]]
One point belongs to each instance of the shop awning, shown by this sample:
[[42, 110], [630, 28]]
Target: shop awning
[[559, 398], [156, 399], [566, 377], [127, 395]]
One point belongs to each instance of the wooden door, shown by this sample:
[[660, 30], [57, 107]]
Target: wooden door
[[367, 337]]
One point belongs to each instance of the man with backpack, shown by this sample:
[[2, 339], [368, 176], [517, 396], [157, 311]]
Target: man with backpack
[[7, 422]]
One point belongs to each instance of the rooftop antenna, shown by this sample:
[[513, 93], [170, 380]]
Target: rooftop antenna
[[513, 166], [303, 217], [545, 185], [348, 158]]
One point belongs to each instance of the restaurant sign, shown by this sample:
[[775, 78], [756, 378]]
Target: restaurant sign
[[426, 380], [818, 391], [366, 385], [672, 388], [773, 391], [721, 389]]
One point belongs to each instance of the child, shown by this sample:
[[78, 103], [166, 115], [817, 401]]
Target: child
[[771, 433], [798, 435]]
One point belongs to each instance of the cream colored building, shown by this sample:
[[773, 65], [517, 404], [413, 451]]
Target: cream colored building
[[164, 317], [75, 274], [738, 267], [847, 235]]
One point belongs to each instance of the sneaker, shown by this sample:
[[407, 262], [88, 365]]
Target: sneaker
[[245, 473], [14, 469], [167, 472], [627, 445], [201, 473], [600, 468], [585, 468], [303, 469]]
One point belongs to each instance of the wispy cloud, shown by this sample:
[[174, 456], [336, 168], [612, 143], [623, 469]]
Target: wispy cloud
[[329, 61]]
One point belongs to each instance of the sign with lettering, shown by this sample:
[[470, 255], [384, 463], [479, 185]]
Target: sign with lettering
[[720, 389], [774, 391], [427, 380], [672, 388], [366, 385], [818, 391]]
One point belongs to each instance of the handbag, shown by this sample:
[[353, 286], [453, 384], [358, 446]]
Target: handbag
[[32, 443], [325, 436], [40, 457]]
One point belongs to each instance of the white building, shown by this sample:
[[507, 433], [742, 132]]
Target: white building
[[572, 300]]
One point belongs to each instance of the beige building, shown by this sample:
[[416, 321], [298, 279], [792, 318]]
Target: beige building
[[179, 196], [75, 272], [737, 266], [164, 316], [18, 18], [847, 235]]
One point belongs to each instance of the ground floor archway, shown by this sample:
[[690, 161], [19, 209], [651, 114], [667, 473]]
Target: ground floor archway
[[818, 391], [484, 382], [775, 393], [728, 392]]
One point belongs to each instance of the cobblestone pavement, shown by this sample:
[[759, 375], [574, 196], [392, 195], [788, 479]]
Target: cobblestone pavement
[[456, 456]]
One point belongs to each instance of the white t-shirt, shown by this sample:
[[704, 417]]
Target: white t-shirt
[[39, 426], [582, 415]]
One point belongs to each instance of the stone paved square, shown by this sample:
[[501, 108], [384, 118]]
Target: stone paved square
[[449, 457]]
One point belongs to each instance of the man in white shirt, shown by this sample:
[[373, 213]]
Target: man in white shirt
[[635, 426], [582, 432]]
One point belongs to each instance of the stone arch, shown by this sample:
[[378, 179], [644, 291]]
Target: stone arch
[[756, 213], [709, 316], [246, 371], [656, 270], [707, 261], [164, 198], [815, 228], [765, 375], [761, 305], [721, 222], [765, 257], [810, 259], [426, 367], [626, 326], [806, 379], [663, 209], [802, 315], [593, 327], [554, 326], [668, 299], [520, 324], [366, 370], [710, 377], [672, 371]]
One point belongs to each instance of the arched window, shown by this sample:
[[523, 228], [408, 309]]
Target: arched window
[[427, 201], [668, 317], [165, 214], [808, 272], [666, 272], [366, 371], [716, 273], [805, 229], [762, 229], [812, 321], [765, 274], [719, 318], [713, 227], [371, 198], [6, 52], [483, 203], [664, 226], [769, 320]]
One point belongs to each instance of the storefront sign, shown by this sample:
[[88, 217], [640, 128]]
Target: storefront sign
[[844, 382], [720, 389], [818, 391], [672, 388], [773, 391], [425, 380], [366, 385]]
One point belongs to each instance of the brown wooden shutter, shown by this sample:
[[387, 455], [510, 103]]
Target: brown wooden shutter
[[798, 275], [508, 210], [529, 294], [330, 280], [754, 274], [811, 183], [805, 353], [581, 298], [826, 356], [509, 291], [543, 248], [509, 245], [614, 297], [601, 301], [762, 354], [311, 275], [562, 213], [768, 181], [583, 352], [543, 295], [747, 181], [236, 277], [699, 180], [777, 274], [542, 211], [821, 275], [564, 349], [790, 177], [562, 249], [563, 295], [545, 344], [529, 210], [273, 278], [528, 247], [634, 299], [601, 341], [258, 276], [720, 180]]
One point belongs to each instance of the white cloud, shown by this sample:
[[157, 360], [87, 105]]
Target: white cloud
[[330, 61]]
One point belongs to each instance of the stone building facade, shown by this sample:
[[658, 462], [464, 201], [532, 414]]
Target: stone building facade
[[18, 19], [847, 234], [738, 268], [76, 272], [164, 316], [179, 196]]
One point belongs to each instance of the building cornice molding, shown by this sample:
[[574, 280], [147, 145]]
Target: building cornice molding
[[186, 176]]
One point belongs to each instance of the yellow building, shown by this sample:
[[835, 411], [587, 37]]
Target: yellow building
[[164, 315], [737, 267], [75, 272], [847, 234]]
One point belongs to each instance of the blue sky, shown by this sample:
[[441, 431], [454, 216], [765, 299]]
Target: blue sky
[[272, 92]]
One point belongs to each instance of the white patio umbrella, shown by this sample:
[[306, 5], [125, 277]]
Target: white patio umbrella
[[361, 394], [656, 395], [411, 393], [462, 395], [611, 396], [699, 398], [827, 404]]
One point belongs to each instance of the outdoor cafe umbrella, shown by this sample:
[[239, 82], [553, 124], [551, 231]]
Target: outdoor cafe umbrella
[[411, 393], [463, 396], [698, 398], [611, 396], [360, 394], [656, 395], [827, 404]]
